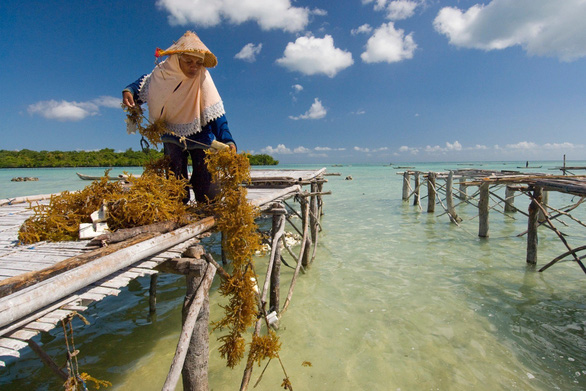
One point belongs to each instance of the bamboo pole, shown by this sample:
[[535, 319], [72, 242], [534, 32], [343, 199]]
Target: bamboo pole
[[33, 298], [483, 210], [47, 360], [187, 329], [532, 225], [299, 264], [559, 234], [195, 366], [431, 192], [557, 259]]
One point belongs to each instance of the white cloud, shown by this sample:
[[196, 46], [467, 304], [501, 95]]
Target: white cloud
[[368, 150], [364, 29], [269, 14], [310, 56], [316, 111], [456, 146], [72, 111], [388, 44], [401, 9], [319, 149], [563, 146], [297, 87], [280, 149], [411, 150], [541, 27], [108, 101], [396, 9], [301, 149], [522, 145], [249, 52]]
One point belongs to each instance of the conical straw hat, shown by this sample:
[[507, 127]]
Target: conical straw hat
[[190, 43]]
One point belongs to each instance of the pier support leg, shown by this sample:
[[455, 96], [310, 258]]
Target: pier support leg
[[462, 189], [305, 208], [153, 293], [278, 222], [510, 200], [450, 199], [47, 360], [483, 210], [416, 198], [406, 185], [544, 200], [430, 192], [533, 223], [195, 367]]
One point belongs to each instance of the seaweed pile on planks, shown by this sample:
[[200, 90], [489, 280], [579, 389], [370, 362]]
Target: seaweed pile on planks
[[150, 198]]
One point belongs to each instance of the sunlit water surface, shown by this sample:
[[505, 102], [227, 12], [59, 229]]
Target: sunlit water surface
[[397, 299]]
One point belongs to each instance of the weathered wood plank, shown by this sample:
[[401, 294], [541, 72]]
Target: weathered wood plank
[[9, 352], [13, 344]]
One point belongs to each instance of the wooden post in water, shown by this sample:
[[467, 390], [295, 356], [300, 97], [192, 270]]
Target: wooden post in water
[[314, 215], [430, 192], [153, 293], [510, 199], [544, 200], [416, 198], [450, 198], [462, 188], [532, 224], [191, 355], [306, 259], [276, 233], [406, 186], [483, 210]]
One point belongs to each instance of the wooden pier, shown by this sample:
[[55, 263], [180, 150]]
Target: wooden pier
[[33, 300], [535, 186]]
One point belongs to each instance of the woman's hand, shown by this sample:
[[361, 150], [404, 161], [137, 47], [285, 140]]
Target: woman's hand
[[127, 99]]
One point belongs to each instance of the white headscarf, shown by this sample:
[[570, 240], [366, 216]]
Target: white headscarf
[[186, 104]]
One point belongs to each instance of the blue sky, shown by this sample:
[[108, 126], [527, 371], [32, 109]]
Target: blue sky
[[354, 81]]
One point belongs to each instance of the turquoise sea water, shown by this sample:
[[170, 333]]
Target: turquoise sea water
[[397, 299]]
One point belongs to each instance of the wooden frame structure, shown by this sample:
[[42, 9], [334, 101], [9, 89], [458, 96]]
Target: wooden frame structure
[[534, 186], [26, 312]]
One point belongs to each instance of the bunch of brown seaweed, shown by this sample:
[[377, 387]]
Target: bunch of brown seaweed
[[151, 198], [235, 217]]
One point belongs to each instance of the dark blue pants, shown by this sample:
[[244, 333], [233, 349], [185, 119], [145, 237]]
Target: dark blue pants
[[200, 177]]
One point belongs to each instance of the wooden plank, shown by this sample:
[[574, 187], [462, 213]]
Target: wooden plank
[[91, 297], [23, 335], [116, 283], [9, 352], [13, 344], [39, 326], [102, 290]]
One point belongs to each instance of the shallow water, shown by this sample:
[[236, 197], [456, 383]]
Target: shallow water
[[397, 299]]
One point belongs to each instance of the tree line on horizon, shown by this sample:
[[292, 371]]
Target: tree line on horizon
[[107, 157]]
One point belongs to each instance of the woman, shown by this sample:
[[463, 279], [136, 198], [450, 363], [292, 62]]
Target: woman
[[181, 91]]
